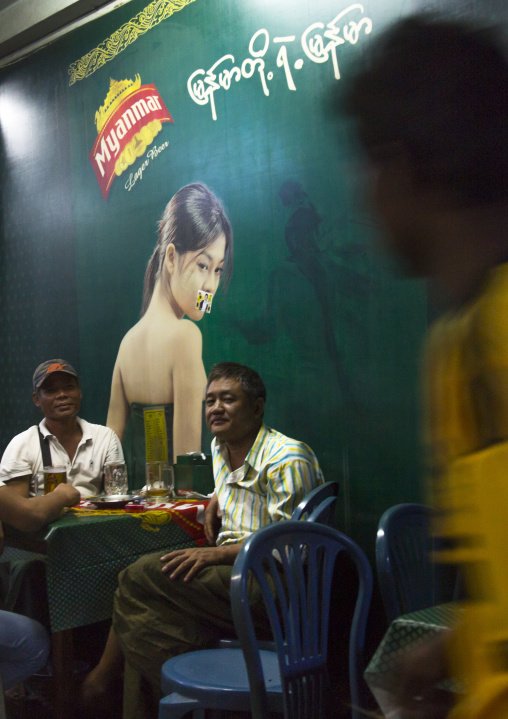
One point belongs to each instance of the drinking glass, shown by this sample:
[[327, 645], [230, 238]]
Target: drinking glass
[[53, 476], [38, 484], [160, 482], [115, 478]]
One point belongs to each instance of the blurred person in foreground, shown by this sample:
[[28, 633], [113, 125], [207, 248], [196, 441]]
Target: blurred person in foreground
[[432, 115]]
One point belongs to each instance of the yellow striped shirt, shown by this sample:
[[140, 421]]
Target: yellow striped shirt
[[278, 472]]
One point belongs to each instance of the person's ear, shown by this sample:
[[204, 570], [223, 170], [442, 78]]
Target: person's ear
[[259, 407], [170, 258], [35, 397]]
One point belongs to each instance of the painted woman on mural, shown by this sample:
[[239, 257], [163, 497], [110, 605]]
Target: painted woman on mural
[[160, 361]]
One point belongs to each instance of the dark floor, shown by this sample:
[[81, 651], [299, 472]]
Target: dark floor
[[35, 703], [89, 641], [33, 700]]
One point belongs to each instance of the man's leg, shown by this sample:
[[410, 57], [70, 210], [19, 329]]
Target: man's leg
[[99, 681], [24, 648], [156, 617], [140, 697]]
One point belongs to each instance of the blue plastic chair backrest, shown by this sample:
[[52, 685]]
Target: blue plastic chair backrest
[[311, 501], [324, 513], [292, 564], [408, 579]]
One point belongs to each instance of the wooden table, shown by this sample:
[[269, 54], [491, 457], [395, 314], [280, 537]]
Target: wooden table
[[84, 551]]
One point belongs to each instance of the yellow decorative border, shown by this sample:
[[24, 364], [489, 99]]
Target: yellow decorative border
[[153, 519], [145, 20]]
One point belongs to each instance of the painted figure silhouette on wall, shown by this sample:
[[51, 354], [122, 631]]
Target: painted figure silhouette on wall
[[315, 281]]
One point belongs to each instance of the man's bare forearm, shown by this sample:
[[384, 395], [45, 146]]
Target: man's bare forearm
[[30, 514]]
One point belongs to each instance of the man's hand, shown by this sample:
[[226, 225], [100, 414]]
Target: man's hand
[[212, 520], [189, 562], [69, 494]]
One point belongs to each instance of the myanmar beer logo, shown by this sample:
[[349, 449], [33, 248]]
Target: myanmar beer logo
[[127, 123]]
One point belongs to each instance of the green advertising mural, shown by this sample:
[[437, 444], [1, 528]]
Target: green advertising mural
[[233, 96]]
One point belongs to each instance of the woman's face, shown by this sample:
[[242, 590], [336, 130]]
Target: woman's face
[[195, 271]]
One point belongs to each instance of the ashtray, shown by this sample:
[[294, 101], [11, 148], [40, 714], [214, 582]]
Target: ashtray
[[111, 501]]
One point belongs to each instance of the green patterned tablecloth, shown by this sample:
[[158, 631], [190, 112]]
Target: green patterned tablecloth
[[84, 555], [408, 629]]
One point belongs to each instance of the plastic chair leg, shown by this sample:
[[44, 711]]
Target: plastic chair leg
[[3, 715], [175, 706]]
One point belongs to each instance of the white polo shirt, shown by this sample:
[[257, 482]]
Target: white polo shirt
[[97, 446]]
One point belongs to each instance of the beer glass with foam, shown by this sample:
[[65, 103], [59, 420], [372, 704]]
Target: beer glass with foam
[[53, 476], [160, 482]]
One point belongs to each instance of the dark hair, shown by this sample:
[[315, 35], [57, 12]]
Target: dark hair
[[439, 89], [251, 382], [192, 220]]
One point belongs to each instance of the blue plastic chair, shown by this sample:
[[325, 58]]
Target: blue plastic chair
[[408, 579], [294, 679], [314, 498], [3, 714], [324, 513]]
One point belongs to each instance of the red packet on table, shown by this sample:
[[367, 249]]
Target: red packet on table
[[134, 508]]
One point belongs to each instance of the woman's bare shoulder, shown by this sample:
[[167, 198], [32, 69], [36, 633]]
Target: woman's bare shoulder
[[130, 339], [187, 344], [187, 331], [132, 334], [181, 337]]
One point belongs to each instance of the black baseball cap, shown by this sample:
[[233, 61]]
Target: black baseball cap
[[46, 368]]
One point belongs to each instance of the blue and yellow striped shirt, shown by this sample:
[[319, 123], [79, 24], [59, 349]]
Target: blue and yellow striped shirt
[[278, 472]]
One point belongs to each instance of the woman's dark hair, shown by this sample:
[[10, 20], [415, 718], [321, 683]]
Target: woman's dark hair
[[438, 89], [192, 220]]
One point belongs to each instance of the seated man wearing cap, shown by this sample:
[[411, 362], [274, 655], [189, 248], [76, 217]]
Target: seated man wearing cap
[[62, 438]]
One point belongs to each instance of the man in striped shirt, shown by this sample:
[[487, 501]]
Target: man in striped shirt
[[179, 602], [260, 474]]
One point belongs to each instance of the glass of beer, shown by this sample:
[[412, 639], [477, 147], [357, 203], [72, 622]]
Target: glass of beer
[[160, 482], [53, 476], [115, 478]]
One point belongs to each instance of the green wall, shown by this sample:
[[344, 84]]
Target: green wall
[[332, 327]]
